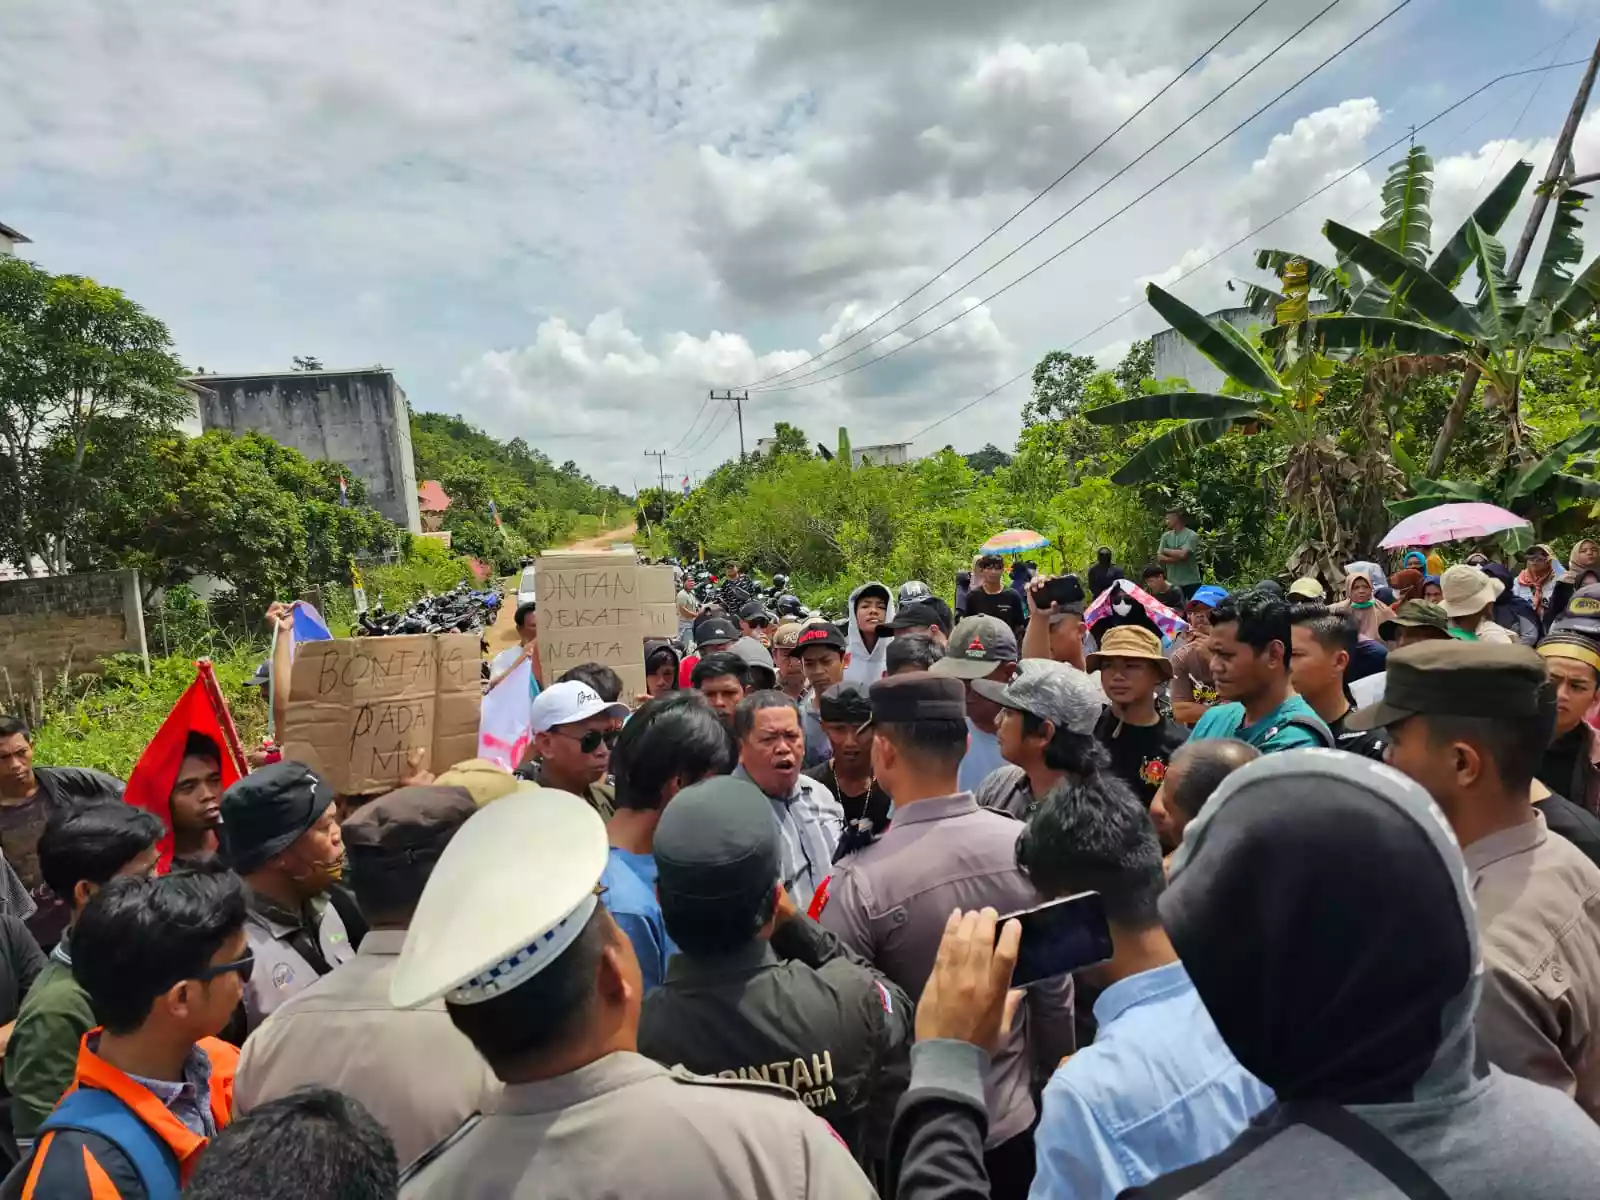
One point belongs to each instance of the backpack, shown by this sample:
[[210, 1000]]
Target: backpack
[[1315, 726], [90, 1110]]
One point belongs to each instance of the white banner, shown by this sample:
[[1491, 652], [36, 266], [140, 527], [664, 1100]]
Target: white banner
[[505, 721]]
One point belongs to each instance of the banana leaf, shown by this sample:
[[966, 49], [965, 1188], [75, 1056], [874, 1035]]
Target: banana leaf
[[1419, 294], [1562, 249], [1456, 257], [1168, 406], [1407, 227], [1580, 302], [1329, 282], [1350, 334], [1262, 301], [1534, 476], [1162, 450], [1497, 308], [1568, 489], [1223, 345]]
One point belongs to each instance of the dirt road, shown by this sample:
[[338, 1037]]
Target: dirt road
[[504, 631]]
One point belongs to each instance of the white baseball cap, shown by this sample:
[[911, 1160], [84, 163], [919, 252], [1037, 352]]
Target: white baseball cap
[[564, 703], [512, 890]]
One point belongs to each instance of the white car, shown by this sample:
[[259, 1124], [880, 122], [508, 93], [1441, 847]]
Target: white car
[[525, 590]]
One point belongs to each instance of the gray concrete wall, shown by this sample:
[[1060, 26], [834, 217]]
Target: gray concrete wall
[[357, 418], [1176, 358], [67, 623]]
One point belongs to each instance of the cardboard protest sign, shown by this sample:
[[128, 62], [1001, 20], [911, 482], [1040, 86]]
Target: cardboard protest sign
[[658, 588], [358, 706], [591, 610]]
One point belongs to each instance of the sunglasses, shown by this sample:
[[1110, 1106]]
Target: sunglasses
[[590, 742], [758, 623], [239, 966]]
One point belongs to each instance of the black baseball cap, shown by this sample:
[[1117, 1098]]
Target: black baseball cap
[[822, 633], [846, 702], [716, 843], [716, 631], [917, 615]]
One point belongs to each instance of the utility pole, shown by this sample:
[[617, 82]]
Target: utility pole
[[661, 471], [1541, 203], [738, 402]]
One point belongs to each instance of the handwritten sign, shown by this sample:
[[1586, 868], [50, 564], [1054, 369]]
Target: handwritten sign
[[359, 706], [658, 589], [591, 610]]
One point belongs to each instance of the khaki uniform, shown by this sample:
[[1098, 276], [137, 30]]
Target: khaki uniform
[[627, 1127], [286, 951], [1538, 902], [891, 900], [415, 1072]]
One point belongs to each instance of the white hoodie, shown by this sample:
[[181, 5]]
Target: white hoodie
[[867, 666]]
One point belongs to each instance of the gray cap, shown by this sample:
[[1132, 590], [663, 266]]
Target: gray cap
[[977, 646], [757, 656], [1056, 692]]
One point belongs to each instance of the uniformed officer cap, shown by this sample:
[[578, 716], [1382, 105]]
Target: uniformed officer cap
[[716, 842], [907, 699], [511, 892], [847, 702], [1459, 679], [266, 812], [410, 825]]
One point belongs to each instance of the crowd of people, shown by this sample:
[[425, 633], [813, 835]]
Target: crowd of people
[[749, 934]]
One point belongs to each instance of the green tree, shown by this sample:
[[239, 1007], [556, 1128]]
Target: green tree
[[988, 460], [73, 352], [1060, 383]]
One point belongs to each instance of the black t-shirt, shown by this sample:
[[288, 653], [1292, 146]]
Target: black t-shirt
[[1005, 604], [1140, 753], [1559, 768], [873, 803], [1368, 743]]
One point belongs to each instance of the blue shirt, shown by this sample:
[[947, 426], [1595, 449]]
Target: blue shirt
[[1157, 1090], [1268, 735], [633, 905], [983, 756]]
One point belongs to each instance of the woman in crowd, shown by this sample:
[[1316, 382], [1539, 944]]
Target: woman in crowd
[[1360, 601]]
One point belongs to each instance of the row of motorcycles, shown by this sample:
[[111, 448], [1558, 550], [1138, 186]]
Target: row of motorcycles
[[463, 609], [734, 594]]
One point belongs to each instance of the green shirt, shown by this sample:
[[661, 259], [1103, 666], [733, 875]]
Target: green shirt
[[1184, 572], [42, 1057], [1268, 735]]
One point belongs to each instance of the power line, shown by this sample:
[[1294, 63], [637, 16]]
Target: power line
[[1228, 249], [704, 404], [704, 444], [1051, 186], [802, 380]]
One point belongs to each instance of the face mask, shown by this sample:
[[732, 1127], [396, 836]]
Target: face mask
[[1361, 604]]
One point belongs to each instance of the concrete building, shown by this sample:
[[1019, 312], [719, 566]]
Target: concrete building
[[10, 239], [1176, 357], [890, 454], [357, 418]]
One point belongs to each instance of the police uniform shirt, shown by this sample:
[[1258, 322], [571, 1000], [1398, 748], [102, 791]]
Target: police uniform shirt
[[285, 950], [802, 1011], [890, 901], [624, 1126]]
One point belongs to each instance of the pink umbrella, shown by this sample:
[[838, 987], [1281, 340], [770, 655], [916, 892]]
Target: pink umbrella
[[1452, 523]]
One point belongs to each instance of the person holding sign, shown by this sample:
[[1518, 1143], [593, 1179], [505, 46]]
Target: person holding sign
[[574, 729]]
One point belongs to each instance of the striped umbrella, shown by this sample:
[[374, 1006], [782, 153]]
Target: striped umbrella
[[1014, 541]]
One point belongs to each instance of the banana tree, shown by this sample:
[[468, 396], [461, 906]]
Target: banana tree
[[1317, 475], [1561, 479], [1498, 333]]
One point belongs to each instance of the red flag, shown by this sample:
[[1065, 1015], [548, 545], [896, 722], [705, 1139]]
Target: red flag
[[200, 710]]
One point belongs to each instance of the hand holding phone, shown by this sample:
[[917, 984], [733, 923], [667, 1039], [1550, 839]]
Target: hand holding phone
[[1061, 937]]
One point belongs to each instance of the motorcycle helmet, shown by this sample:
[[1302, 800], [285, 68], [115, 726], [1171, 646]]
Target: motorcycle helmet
[[913, 589], [780, 582], [790, 606]]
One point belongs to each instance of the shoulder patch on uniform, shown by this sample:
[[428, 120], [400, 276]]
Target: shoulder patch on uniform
[[282, 975], [681, 1074], [883, 995], [819, 900]]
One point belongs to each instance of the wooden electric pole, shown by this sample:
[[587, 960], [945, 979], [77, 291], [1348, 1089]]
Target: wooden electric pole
[[1541, 204]]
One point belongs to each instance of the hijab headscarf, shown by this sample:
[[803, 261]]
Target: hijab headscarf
[[1370, 614], [1407, 584]]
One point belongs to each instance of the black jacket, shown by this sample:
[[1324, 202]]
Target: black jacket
[[802, 1010]]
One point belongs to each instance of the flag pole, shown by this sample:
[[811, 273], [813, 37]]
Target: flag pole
[[219, 709]]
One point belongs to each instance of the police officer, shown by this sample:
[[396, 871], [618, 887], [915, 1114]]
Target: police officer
[[890, 901], [281, 833], [758, 990], [512, 933]]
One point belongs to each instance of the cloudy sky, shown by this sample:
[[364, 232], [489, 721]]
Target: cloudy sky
[[567, 219]]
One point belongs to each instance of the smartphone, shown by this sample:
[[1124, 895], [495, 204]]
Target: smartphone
[[1060, 937], [1063, 591]]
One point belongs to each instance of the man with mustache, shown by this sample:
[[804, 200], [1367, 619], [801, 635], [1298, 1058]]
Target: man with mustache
[[280, 832]]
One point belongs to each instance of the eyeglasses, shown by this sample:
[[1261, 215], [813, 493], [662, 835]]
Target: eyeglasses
[[758, 623], [590, 742], [239, 966]]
